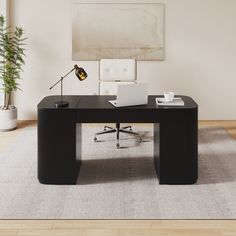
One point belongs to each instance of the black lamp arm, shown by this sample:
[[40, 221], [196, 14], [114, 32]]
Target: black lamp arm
[[62, 78]]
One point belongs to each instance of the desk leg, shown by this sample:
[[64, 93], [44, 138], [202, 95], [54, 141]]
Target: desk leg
[[58, 159], [176, 149]]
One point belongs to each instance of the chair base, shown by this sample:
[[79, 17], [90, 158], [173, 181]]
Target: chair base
[[117, 130]]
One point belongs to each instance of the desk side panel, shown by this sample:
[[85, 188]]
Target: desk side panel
[[157, 149], [57, 163], [178, 163]]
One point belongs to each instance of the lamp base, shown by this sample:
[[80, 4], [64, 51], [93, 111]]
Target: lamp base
[[61, 104]]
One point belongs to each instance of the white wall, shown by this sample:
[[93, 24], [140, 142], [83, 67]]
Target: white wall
[[4, 12], [4, 8], [200, 54]]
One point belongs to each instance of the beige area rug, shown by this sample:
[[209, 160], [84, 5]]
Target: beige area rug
[[119, 184]]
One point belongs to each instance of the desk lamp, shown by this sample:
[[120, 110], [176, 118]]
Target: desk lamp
[[80, 73]]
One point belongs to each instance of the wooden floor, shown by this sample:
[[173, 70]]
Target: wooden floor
[[116, 227]]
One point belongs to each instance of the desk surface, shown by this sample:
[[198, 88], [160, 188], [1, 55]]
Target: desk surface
[[101, 102]]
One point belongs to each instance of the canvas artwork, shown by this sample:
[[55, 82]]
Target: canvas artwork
[[118, 30]]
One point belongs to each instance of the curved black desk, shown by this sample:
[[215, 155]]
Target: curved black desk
[[59, 145]]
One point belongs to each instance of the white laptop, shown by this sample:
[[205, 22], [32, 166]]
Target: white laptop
[[131, 95]]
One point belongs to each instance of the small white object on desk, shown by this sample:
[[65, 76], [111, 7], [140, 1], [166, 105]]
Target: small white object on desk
[[177, 101], [169, 96]]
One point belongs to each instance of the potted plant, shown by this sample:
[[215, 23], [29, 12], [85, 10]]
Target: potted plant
[[11, 62]]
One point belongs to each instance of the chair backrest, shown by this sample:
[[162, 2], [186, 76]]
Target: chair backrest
[[114, 72]]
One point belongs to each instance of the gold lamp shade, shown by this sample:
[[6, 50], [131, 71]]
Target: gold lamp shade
[[80, 73]]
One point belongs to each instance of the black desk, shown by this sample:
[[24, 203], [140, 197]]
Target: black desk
[[59, 145]]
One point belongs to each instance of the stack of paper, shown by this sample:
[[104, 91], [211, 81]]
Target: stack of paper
[[176, 102]]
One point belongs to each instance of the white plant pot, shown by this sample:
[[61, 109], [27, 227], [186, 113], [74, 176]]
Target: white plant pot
[[8, 119]]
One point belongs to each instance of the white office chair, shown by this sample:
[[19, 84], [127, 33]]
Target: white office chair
[[112, 73]]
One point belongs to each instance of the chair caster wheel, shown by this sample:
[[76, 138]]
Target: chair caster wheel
[[95, 139], [104, 129], [130, 129], [117, 145]]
